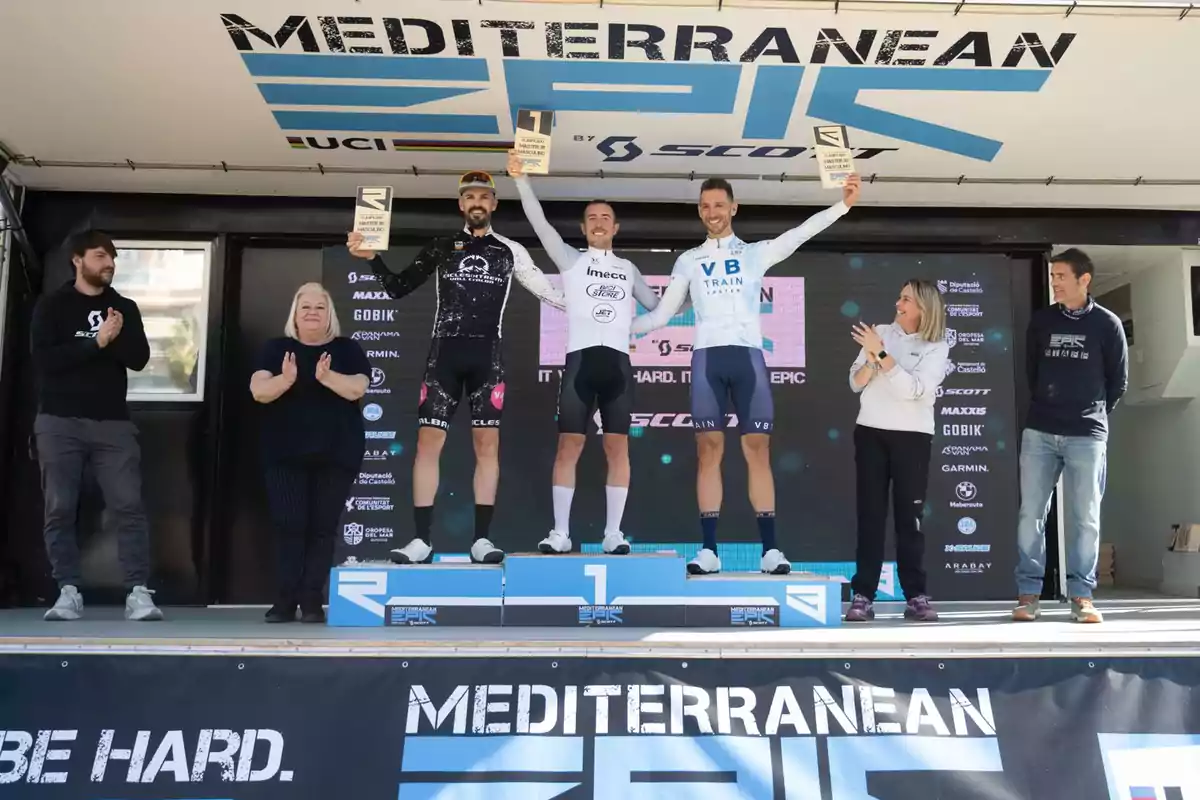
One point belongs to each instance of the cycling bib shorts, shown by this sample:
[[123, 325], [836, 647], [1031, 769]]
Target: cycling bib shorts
[[596, 377]]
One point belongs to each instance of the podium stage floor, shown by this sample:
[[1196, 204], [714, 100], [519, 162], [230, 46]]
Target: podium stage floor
[[1146, 627]]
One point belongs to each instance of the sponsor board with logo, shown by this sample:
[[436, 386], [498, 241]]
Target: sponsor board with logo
[[595, 728]]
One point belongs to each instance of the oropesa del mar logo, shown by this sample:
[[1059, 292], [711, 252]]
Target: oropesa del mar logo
[[355, 533]]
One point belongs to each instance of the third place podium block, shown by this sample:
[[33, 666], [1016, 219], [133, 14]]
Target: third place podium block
[[378, 594], [753, 600], [638, 590]]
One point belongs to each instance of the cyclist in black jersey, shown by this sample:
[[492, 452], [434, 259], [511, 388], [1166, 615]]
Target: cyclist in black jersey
[[473, 272]]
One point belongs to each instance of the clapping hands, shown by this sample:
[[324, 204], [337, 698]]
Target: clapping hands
[[110, 328]]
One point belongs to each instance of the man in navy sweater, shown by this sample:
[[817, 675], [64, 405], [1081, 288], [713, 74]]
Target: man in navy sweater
[[1078, 364]]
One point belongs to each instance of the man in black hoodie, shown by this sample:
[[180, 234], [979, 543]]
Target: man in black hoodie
[[1077, 359], [84, 336]]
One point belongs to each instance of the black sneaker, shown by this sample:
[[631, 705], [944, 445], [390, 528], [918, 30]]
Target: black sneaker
[[311, 611], [283, 611]]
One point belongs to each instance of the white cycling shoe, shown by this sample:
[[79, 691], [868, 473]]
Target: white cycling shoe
[[556, 542], [705, 563], [774, 562]]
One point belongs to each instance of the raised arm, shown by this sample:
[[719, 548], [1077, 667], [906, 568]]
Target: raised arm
[[403, 283], [922, 381], [532, 278], [772, 251], [1116, 366], [51, 355], [562, 254]]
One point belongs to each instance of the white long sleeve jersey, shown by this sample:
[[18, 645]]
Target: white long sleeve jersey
[[599, 286], [724, 280]]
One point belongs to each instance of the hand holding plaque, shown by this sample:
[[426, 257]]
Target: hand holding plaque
[[532, 140], [834, 158]]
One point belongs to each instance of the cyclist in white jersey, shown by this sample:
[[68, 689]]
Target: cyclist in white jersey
[[724, 277], [599, 288]]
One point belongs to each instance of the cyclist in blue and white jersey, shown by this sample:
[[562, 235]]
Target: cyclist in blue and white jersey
[[724, 277]]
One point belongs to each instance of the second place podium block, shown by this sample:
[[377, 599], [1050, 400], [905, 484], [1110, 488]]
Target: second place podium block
[[372, 595]]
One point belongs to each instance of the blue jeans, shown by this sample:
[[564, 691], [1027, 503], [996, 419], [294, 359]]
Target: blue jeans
[[1082, 462]]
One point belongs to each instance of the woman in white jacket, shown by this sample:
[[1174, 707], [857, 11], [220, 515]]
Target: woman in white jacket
[[896, 375]]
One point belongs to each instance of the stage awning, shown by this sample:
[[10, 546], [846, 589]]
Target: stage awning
[[945, 103]]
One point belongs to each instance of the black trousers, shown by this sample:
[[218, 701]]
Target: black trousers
[[898, 460], [305, 501]]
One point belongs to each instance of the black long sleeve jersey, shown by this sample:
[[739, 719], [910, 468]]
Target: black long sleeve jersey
[[474, 276]]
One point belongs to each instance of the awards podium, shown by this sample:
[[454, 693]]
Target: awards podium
[[650, 590]]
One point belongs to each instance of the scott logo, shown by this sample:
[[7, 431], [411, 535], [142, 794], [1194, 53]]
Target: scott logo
[[629, 150]]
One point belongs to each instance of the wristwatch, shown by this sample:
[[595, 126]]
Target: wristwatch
[[881, 355]]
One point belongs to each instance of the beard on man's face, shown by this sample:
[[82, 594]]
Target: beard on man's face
[[478, 218], [99, 278]]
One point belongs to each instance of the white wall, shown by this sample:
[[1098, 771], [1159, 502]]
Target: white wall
[[1154, 443], [1153, 483]]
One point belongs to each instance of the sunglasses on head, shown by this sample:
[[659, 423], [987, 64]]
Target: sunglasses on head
[[476, 177]]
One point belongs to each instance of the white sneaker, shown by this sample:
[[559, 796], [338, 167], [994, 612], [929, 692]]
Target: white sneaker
[[139, 606], [68, 607], [556, 542], [614, 543], [775, 563], [415, 552], [484, 552], [705, 563]]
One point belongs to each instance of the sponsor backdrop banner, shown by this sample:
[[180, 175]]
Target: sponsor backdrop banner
[[578, 729], [924, 91], [809, 303]]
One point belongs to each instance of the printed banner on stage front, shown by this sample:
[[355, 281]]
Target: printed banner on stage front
[[598, 728]]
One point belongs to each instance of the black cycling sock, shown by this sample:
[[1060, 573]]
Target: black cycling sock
[[483, 521], [423, 516]]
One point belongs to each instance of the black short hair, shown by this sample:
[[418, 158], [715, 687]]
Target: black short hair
[[717, 183], [81, 242], [1078, 260], [591, 203]]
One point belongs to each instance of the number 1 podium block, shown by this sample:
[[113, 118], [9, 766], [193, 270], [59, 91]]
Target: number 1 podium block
[[454, 594], [751, 600], [637, 590]]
